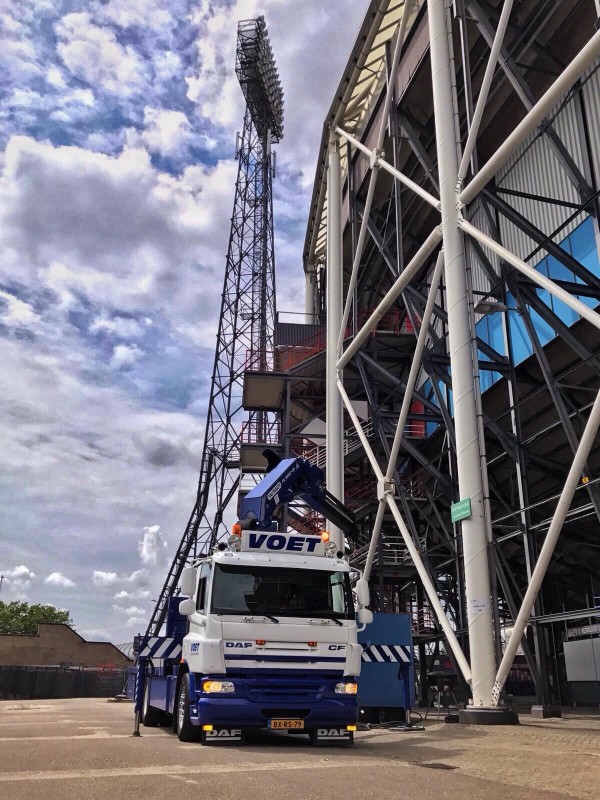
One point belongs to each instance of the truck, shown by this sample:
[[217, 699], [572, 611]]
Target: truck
[[264, 632]]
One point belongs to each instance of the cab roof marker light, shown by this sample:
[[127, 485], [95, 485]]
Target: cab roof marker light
[[325, 536], [350, 727], [261, 642], [207, 728]]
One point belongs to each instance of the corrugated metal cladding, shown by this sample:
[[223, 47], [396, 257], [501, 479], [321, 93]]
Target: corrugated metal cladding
[[535, 168], [481, 282], [591, 100], [291, 333]]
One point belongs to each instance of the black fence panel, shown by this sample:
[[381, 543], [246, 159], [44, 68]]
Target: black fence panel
[[47, 683]]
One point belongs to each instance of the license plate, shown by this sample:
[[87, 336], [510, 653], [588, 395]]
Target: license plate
[[286, 724]]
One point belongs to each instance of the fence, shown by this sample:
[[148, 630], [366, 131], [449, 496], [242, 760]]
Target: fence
[[47, 683]]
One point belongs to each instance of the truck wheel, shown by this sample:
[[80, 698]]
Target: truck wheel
[[185, 730], [151, 717]]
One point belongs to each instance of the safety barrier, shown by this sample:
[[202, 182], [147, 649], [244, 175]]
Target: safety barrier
[[46, 683]]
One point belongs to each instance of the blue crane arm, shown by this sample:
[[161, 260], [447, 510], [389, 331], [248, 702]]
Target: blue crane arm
[[292, 479]]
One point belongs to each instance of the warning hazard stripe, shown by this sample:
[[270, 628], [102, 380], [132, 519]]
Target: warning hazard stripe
[[386, 653], [162, 648]]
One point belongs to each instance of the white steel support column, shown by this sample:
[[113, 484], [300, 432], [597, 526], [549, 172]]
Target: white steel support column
[[474, 534], [564, 503], [334, 420], [309, 295]]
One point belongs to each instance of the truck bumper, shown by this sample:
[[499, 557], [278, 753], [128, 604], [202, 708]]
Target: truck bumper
[[245, 713], [245, 709]]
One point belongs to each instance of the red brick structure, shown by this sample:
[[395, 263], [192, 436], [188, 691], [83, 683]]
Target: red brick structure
[[56, 644]]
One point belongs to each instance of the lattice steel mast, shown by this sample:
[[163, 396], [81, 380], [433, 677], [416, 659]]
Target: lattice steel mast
[[248, 303]]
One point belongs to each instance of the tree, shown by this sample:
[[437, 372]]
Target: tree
[[19, 617]]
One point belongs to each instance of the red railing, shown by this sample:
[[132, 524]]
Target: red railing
[[261, 431], [310, 524], [283, 359], [361, 487]]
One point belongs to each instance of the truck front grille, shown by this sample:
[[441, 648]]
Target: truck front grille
[[282, 691]]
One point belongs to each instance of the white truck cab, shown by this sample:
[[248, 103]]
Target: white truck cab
[[272, 640]]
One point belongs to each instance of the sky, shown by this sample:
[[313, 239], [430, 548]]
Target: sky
[[117, 173]]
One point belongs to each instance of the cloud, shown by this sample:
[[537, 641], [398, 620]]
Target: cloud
[[137, 622], [85, 224], [153, 14], [58, 579], [166, 132], [15, 312], [96, 634], [152, 548], [125, 355], [19, 572], [130, 611], [103, 579], [94, 55], [123, 327], [116, 190], [18, 580], [142, 594]]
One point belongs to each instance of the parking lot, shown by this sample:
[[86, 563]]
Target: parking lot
[[83, 749]]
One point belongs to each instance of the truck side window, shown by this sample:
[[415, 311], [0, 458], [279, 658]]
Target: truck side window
[[201, 594], [202, 586]]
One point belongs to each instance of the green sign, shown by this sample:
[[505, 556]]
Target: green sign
[[460, 510]]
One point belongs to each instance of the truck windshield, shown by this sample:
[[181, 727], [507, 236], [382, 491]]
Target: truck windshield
[[281, 591]]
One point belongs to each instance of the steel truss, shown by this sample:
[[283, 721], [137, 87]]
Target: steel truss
[[247, 314], [426, 232]]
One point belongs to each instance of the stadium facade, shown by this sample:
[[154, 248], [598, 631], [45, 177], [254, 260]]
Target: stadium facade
[[445, 174]]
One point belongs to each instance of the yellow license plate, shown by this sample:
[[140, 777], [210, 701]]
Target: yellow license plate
[[286, 724]]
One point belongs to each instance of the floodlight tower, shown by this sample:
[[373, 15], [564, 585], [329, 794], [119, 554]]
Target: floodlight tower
[[247, 315]]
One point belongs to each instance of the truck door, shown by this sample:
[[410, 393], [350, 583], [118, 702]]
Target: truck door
[[203, 598]]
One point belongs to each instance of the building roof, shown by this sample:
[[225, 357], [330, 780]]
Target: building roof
[[358, 91]]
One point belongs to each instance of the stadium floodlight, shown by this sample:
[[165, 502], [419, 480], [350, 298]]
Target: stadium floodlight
[[257, 73]]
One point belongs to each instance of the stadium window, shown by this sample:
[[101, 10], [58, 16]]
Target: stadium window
[[521, 343], [582, 244]]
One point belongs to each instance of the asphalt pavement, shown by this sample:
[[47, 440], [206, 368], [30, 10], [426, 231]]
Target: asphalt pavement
[[83, 750]]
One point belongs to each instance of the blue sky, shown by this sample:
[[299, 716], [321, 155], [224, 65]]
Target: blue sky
[[117, 132]]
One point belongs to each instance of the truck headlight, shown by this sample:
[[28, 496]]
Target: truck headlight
[[346, 688], [218, 687]]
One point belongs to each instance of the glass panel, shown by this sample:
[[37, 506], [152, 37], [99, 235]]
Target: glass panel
[[483, 333], [558, 271], [564, 312], [485, 380], [201, 594], [521, 343], [281, 591], [544, 331], [496, 332], [583, 246], [543, 294]]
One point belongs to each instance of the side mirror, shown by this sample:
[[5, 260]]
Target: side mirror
[[188, 581], [365, 617], [187, 607], [362, 592]]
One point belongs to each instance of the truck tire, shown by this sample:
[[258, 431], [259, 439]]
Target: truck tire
[[185, 730], [151, 717]]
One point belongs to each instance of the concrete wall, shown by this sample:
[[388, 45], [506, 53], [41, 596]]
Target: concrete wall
[[56, 644]]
